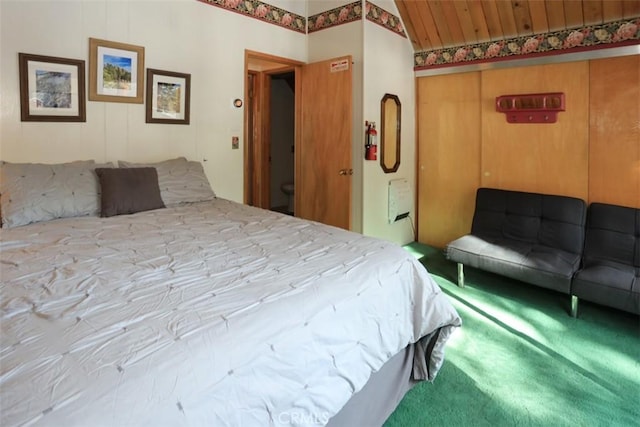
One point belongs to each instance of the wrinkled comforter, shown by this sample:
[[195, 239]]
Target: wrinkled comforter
[[210, 313]]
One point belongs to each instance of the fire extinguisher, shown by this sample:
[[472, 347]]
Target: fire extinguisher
[[371, 144]]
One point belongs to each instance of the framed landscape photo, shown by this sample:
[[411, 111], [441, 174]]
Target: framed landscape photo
[[168, 97], [51, 89], [116, 72]]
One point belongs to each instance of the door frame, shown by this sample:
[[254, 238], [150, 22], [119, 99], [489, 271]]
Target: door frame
[[257, 123]]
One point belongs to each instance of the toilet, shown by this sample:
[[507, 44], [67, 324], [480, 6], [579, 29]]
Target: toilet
[[287, 188]]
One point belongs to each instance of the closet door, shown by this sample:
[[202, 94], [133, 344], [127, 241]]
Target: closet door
[[449, 130]]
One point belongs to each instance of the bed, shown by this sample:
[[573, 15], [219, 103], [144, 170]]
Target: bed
[[202, 311]]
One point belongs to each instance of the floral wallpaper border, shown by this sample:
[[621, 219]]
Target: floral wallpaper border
[[585, 38], [264, 12], [333, 17], [340, 15], [384, 18]]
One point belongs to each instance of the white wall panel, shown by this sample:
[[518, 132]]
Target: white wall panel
[[387, 65], [209, 43], [178, 35]]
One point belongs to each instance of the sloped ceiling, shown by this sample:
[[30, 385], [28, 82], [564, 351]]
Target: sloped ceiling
[[438, 24]]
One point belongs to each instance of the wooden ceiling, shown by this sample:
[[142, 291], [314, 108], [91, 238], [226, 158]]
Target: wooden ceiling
[[437, 24]]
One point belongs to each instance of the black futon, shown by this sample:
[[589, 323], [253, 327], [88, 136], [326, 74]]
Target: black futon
[[610, 272], [535, 238]]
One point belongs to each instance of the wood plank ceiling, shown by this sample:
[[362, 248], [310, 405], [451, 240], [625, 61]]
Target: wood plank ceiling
[[437, 24]]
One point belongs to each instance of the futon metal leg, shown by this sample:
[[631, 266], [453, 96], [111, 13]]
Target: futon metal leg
[[574, 306], [460, 275]]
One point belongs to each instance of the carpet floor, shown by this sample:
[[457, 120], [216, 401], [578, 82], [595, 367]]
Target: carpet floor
[[521, 360]]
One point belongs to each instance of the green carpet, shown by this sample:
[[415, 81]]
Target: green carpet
[[521, 360]]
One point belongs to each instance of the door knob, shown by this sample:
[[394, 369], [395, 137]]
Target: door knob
[[346, 172]]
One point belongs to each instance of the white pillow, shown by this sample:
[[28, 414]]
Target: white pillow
[[34, 192], [180, 180]]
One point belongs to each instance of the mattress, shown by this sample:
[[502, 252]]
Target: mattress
[[211, 313]]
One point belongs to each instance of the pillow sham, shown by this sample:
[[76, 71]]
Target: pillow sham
[[180, 180], [128, 190], [34, 192]]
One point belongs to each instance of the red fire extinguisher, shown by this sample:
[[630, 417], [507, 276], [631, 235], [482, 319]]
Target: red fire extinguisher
[[371, 145]]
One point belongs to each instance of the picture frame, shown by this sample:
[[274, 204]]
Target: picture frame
[[52, 89], [116, 72], [168, 97]]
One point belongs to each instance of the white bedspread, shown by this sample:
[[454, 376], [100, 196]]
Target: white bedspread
[[208, 314]]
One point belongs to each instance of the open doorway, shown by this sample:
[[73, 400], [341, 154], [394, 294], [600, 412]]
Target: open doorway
[[270, 131], [323, 136], [282, 146]]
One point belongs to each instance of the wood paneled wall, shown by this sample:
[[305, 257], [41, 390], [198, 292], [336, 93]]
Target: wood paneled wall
[[544, 158], [614, 131], [592, 152]]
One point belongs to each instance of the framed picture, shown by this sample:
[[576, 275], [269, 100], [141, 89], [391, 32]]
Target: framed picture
[[168, 97], [116, 72], [51, 89]]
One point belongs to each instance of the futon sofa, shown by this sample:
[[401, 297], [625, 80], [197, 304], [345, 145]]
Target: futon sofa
[[557, 243], [610, 271], [532, 237]]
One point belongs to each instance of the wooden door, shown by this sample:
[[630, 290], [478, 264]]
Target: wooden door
[[257, 160], [614, 131], [449, 128], [323, 163]]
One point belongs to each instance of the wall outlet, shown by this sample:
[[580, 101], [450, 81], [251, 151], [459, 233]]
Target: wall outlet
[[235, 142]]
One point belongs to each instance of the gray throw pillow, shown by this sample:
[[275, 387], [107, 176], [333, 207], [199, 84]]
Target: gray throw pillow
[[34, 192], [180, 180], [127, 191]]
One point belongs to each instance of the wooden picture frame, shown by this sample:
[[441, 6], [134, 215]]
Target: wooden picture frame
[[168, 97], [116, 72], [51, 89]]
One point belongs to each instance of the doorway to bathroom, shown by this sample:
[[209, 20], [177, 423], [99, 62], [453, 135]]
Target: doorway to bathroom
[[322, 129], [282, 146], [270, 131]]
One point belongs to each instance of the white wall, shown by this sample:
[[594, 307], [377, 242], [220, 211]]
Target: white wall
[[388, 68], [383, 63], [318, 6], [178, 35], [209, 43]]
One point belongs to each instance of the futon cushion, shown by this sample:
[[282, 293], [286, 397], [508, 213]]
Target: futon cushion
[[532, 263], [128, 190], [551, 220], [613, 234], [616, 286]]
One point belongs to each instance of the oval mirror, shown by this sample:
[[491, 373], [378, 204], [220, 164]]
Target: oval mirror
[[390, 133]]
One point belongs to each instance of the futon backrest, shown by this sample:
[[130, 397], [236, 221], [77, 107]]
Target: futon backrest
[[549, 220], [613, 234]]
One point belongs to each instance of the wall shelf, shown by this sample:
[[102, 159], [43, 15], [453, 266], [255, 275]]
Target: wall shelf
[[532, 107]]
